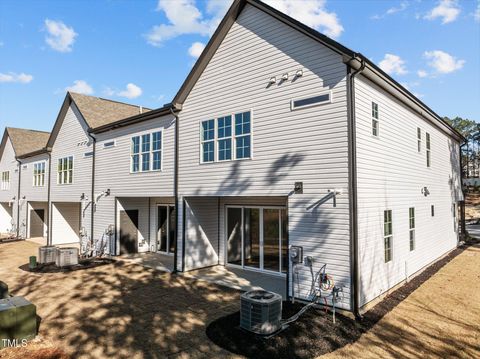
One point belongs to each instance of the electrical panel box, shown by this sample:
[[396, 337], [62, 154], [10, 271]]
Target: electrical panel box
[[296, 254]]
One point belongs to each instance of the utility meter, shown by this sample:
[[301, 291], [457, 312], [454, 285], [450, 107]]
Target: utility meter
[[110, 230], [296, 254]]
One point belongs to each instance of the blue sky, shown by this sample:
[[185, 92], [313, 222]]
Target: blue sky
[[141, 51]]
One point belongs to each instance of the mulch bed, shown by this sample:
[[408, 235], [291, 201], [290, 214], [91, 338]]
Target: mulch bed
[[314, 333], [82, 264]]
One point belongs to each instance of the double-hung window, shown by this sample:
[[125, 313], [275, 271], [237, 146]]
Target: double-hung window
[[6, 180], [419, 139], [226, 138], [65, 170], [208, 141], [387, 235], [39, 174], [427, 142], [146, 152], [375, 123], [411, 225], [224, 134]]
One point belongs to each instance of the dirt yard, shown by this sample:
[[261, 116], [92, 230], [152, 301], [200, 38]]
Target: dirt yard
[[126, 311]]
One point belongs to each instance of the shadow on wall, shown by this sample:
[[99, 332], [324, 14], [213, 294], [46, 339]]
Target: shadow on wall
[[280, 168]]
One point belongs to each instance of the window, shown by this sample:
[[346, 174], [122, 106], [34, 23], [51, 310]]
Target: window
[[208, 141], [146, 152], [312, 101], [427, 142], [6, 180], [432, 210], [411, 224], [65, 170], [39, 174], [109, 144], [419, 139], [242, 135], [226, 138], [375, 123], [224, 133], [387, 235], [88, 154]]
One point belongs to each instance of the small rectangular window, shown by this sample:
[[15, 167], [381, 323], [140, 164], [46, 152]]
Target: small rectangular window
[[109, 144], [39, 174], [375, 123], [427, 142], [208, 141], [387, 235], [419, 139], [65, 170], [5, 180], [157, 151], [88, 154], [242, 135], [135, 154], [411, 224], [312, 101], [432, 210]]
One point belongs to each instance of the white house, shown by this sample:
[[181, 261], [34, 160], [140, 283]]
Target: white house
[[17, 143], [72, 153], [134, 184], [287, 138]]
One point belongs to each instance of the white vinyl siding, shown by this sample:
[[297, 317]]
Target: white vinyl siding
[[308, 145], [146, 152], [65, 170], [39, 174], [5, 180], [391, 174]]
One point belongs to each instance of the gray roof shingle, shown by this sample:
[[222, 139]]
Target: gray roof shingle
[[25, 141]]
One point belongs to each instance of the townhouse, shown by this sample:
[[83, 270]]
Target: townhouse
[[20, 188], [72, 153], [279, 141]]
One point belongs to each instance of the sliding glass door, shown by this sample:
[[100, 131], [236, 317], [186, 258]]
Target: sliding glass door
[[256, 238]]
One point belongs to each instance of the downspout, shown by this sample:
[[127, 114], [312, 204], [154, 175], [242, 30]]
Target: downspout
[[175, 189], [93, 205], [18, 195], [354, 251], [49, 235], [462, 203]]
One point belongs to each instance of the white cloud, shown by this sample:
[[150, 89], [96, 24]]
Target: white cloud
[[393, 65], [422, 73], [442, 62], [184, 17], [196, 49], [60, 37], [14, 77], [393, 10], [80, 86], [312, 13], [132, 91], [448, 10]]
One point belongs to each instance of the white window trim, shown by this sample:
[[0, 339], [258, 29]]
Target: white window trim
[[150, 167], [373, 119], [325, 92], [110, 143], [411, 229], [419, 140], [42, 174], [5, 184], [233, 137], [387, 236], [428, 149], [73, 170]]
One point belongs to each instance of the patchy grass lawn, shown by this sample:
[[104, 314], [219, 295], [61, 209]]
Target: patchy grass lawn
[[126, 311]]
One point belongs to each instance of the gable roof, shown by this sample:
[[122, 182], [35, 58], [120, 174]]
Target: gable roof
[[96, 111], [24, 141], [351, 58]]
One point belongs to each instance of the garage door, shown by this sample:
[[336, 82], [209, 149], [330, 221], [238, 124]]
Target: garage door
[[37, 222], [129, 231]]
